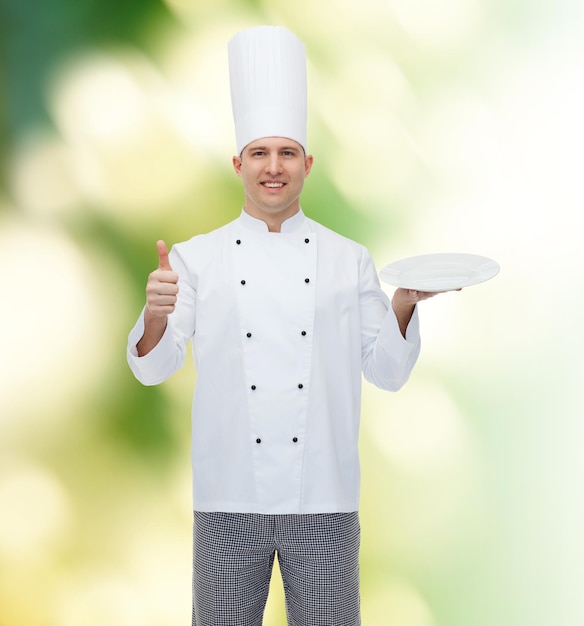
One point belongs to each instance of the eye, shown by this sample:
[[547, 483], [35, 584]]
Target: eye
[[288, 153]]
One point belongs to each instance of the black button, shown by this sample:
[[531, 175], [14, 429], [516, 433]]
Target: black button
[[303, 333], [243, 282], [295, 439], [238, 241], [300, 386], [253, 387], [258, 440], [307, 240], [248, 335], [307, 280]]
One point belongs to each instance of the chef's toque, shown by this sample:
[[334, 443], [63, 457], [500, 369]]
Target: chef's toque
[[267, 75]]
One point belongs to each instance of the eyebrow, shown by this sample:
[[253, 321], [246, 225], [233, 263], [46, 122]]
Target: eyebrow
[[265, 148]]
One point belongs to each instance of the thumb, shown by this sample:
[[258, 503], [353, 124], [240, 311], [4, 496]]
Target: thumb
[[163, 262]]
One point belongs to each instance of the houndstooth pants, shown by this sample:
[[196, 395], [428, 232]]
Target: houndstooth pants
[[318, 554]]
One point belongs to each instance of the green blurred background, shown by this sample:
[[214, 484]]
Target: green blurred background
[[436, 125]]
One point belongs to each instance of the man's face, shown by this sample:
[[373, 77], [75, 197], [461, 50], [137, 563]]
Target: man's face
[[272, 170]]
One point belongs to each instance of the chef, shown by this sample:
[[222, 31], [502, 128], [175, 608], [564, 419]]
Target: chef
[[285, 317]]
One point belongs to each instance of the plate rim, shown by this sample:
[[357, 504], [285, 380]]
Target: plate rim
[[393, 279]]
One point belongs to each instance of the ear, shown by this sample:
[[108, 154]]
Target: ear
[[308, 161], [237, 164]]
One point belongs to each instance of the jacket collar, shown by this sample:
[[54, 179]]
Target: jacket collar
[[296, 223]]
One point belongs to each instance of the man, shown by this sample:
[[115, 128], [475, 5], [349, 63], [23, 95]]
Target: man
[[285, 317]]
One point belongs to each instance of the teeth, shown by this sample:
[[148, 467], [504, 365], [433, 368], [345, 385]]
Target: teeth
[[273, 185]]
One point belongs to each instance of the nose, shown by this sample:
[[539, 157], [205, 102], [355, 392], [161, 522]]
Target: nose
[[274, 164]]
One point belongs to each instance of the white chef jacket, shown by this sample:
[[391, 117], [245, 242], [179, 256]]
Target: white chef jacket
[[283, 325]]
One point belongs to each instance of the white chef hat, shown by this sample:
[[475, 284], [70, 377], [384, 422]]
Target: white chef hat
[[267, 74]]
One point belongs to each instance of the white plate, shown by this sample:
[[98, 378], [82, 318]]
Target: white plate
[[439, 272]]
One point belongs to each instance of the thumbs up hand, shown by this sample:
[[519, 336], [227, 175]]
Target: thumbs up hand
[[162, 285]]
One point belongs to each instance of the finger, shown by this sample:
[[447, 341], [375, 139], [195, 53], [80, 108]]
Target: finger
[[160, 309], [163, 262], [160, 303], [162, 284]]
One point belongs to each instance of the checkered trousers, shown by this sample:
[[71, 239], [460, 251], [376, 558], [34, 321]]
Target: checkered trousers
[[318, 554]]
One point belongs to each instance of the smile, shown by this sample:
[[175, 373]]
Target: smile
[[273, 185]]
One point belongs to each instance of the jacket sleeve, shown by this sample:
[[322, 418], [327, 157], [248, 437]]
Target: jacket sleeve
[[387, 358], [169, 354]]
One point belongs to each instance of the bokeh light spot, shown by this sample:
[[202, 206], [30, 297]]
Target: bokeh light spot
[[35, 511]]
